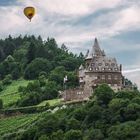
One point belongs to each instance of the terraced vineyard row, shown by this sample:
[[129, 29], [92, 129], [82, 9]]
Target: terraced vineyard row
[[16, 123]]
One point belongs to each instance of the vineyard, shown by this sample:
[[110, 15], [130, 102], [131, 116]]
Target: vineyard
[[17, 123]]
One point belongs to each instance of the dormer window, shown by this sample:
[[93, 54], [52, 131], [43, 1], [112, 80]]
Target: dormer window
[[112, 64], [90, 69], [96, 69], [103, 69], [106, 64]]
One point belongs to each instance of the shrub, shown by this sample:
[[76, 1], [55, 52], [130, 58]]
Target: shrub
[[1, 104], [7, 80]]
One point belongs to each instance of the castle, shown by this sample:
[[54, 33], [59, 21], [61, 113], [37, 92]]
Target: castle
[[98, 69]]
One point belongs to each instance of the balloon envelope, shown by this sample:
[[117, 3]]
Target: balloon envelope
[[29, 12]]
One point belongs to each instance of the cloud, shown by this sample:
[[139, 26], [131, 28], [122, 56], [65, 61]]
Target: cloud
[[131, 71], [73, 7], [134, 76], [76, 23], [53, 14]]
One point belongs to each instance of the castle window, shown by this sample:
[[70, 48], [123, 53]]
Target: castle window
[[98, 77], [100, 64], [116, 69], [109, 76], [92, 64], [95, 77], [103, 76], [115, 77]]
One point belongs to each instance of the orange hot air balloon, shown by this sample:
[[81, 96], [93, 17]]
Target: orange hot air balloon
[[29, 12]]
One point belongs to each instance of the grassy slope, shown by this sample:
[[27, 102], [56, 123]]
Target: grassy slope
[[51, 102], [10, 94]]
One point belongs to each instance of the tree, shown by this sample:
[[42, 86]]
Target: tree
[[73, 135], [35, 67], [125, 131], [57, 75], [103, 94], [50, 91], [73, 80], [7, 80], [1, 104], [1, 86], [20, 55], [43, 137], [73, 124], [31, 52], [58, 135], [95, 134]]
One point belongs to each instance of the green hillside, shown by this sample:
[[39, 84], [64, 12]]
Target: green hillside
[[107, 116], [10, 93], [32, 58]]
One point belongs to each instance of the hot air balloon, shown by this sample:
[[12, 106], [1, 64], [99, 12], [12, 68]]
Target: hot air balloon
[[29, 12]]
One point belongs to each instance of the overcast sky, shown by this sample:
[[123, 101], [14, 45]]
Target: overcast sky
[[116, 24]]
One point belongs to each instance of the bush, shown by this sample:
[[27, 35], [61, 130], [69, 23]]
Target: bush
[[1, 86], [1, 104], [104, 94], [38, 65], [7, 80], [43, 73], [73, 135]]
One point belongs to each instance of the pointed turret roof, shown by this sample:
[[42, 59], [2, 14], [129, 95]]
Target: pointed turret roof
[[96, 51], [81, 67]]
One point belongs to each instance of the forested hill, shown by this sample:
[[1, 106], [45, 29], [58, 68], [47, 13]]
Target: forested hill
[[107, 116], [28, 56], [43, 63], [31, 76]]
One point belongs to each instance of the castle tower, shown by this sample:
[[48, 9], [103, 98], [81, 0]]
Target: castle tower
[[100, 69]]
